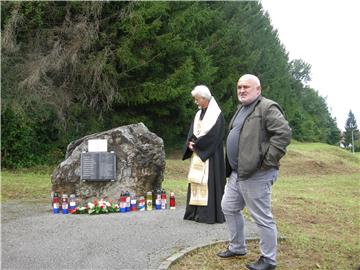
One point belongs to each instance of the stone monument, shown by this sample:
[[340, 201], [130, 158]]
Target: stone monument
[[135, 156]]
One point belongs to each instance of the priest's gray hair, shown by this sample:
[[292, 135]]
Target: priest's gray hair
[[202, 91]]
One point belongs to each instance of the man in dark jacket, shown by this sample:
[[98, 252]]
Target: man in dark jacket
[[257, 140]]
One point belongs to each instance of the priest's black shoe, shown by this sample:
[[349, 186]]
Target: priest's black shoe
[[260, 265], [229, 254]]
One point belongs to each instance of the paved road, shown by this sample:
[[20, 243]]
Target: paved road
[[34, 238]]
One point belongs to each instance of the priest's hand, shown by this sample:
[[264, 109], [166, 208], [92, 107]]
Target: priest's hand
[[191, 146]]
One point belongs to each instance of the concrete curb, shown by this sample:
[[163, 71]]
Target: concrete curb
[[173, 258], [177, 256]]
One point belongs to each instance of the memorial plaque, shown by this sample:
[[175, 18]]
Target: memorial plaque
[[107, 168], [89, 165], [98, 166]]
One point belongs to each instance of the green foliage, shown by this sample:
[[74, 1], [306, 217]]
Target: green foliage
[[16, 140], [351, 134], [27, 140], [333, 132], [300, 70], [98, 65], [309, 116]]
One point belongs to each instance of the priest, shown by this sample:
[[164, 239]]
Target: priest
[[204, 145]]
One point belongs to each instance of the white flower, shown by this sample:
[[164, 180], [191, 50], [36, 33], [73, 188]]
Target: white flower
[[90, 205]]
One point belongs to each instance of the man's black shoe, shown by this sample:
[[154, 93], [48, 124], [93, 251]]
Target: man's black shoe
[[229, 254], [261, 265]]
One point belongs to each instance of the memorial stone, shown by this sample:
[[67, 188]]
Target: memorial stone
[[137, 153]]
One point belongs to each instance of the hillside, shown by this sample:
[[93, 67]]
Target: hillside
[[318, 159], [301, 159]]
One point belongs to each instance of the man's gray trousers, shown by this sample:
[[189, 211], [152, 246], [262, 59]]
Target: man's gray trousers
[[256, 196]]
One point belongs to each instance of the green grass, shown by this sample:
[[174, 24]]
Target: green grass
[[29, 186], [175, 178], [316, 206], [320, 218], [318, 215], [325, 152]]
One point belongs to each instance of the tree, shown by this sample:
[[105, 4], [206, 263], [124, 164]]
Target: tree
[[351, 134], [300, 70], [333, 132], [70, 68]]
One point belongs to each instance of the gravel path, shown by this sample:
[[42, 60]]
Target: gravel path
[[33, 238]]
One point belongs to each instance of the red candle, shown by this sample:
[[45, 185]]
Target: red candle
[[172, 200]]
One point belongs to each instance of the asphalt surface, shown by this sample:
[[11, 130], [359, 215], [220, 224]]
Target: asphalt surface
[[34, 238]]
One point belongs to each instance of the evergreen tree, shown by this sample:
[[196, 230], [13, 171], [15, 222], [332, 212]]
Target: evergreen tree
[[300, 70], [334, 132], [351, 134]]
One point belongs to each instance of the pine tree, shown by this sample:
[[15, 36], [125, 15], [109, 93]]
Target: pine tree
[[333, 132], [351, 131]]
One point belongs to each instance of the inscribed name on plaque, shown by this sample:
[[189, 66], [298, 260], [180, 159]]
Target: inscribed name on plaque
[[89, 166]]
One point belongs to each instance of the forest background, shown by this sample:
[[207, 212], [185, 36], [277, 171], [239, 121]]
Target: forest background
[[74, 68]]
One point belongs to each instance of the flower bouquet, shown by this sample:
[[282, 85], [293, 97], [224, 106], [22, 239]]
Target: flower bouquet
[[97, 207]]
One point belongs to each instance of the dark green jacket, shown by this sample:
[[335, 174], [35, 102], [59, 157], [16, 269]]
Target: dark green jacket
[[263, 138]]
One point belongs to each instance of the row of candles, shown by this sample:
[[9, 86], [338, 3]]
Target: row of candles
[[127, 202]]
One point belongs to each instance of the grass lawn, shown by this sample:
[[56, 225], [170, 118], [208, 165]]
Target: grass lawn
[[316, 204], [27, 186]]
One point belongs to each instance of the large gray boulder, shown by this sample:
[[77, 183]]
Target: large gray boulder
[[140, 164]]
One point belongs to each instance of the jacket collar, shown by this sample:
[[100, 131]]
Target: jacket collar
[[253, 104]]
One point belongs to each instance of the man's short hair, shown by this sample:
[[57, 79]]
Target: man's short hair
[[251, 77], [202, 91]]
